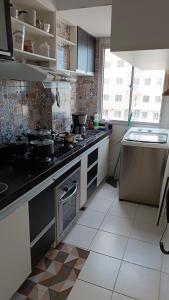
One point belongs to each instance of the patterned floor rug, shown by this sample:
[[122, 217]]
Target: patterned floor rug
[[55, 275]]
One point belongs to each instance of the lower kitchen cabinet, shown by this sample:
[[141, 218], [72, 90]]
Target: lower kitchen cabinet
[[41, 211], [42, 245], [42, 223], [103, 158], [15, 260], [94, 169], [83, 181]]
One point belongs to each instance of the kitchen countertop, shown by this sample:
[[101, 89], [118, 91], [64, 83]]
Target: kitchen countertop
[[21, 178]]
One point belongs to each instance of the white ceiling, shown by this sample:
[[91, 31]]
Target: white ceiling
[[73, 4], [94, 20]]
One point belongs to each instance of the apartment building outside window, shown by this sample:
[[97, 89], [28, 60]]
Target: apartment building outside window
[[106, 97], [139, 94], [119, 81], [118, 98], [146, 99], [117, 114], [158, 99], [159, 81], [136, 81], [120, 63], [147, 81]]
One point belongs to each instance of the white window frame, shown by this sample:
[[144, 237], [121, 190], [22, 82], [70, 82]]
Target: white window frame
[[105, 44]]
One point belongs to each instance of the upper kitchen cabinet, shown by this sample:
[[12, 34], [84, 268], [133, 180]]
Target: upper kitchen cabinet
[[91, 50], [139, 32], [85, 52], [82, 50], [66, 42], [34, 32]]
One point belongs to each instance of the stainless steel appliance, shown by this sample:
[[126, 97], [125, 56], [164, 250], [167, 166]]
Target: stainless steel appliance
[[142, 163], [67, 202], [6, 44]]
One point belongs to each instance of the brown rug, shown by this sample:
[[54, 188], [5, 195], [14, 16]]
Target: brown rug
[[54, 276]]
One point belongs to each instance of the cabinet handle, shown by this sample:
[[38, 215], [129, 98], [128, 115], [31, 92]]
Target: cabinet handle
[[64, 200]]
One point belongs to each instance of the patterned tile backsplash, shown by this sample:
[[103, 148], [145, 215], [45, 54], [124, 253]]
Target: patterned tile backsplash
[[23, 104]]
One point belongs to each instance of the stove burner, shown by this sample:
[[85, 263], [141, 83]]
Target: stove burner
[[62, 150], [3, 187], [41, 159]]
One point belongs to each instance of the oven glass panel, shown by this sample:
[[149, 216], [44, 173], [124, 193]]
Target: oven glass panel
[[69, 211]]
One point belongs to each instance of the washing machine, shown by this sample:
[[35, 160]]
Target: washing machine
[[144, 153]]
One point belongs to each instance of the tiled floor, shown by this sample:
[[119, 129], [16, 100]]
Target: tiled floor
[[125, 260]]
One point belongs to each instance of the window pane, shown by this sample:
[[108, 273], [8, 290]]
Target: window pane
[[116, 87], [146, 98]]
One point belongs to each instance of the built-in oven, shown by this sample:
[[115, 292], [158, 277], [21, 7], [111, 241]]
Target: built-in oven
[[67, 202], [53, 211]]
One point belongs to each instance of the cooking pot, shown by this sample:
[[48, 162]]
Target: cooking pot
[[36, 134], [19, 146], [42, 148]]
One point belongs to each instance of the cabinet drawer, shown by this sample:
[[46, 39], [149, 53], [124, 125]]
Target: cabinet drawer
[[92, 173], [92, 157], [92, 188], [41, 211], [42, 246]]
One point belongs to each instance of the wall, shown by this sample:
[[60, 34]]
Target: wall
[[23, 104]]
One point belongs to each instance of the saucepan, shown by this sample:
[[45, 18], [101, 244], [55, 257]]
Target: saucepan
[[42, 148], [67, 137]]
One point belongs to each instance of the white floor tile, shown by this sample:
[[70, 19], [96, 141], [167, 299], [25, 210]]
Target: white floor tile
[[80, 236], [138, 282], [123, 209], [144, 254], [146, 214], [86, 291], [100, 270], [164, 287], [146, 232], [99, 204], [91, 218], [108, 192], [117, 225], [109, 244], [120, 297]]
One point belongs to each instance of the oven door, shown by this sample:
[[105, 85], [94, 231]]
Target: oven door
[[67, 209]]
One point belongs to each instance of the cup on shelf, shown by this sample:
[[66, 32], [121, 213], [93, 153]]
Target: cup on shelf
[[46, 27], [31, 18], [18, 33], [23, 15], [29, 46], [14, 11]]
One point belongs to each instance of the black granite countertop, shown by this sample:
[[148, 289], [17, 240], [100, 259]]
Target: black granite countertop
[[21, 178]]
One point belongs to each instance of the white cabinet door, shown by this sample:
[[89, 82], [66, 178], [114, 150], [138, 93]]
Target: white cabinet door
[[15, 260], [83, 181], [103, 157]]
